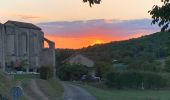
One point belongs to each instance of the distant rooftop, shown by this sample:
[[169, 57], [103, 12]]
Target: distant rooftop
[[23, 25]]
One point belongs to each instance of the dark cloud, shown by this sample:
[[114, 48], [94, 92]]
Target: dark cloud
[[119, 28]]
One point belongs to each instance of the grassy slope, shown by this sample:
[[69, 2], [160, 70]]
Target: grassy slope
[[5, 84], [51, 88], [102, 94]]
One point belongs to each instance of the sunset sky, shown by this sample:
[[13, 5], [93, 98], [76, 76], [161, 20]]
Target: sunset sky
[[73, 24]]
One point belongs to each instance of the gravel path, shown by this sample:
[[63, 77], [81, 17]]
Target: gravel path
[[73, 92]]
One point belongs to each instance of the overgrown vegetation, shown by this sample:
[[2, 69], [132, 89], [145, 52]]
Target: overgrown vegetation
[[135, 80], [101, 68], [52, 88], [71, 72], [110, 94], [46, 72]]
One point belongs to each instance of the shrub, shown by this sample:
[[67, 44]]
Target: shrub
[[71, 72], [110, 79], [102, 68], [135, 80], [46, 72], [167, 65]]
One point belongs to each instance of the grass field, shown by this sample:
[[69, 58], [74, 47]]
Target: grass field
[[102, 94], [52, 88], [25, 76]]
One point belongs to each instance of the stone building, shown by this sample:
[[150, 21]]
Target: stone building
[[80, 60], [21, 41]]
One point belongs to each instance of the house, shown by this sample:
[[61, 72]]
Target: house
[[79, 59], [20, 41]]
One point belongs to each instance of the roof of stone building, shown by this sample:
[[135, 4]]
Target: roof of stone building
[[79, 59], [23, 25]]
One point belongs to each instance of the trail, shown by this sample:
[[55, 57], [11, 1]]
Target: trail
[[73, 92]]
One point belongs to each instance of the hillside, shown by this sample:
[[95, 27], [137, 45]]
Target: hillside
[[153, 45]]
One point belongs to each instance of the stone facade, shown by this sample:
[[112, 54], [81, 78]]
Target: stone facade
[[21, 41], [80, 60]]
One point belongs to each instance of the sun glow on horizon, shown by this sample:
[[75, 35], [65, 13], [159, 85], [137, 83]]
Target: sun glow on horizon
[[98, 42], [85, 41]]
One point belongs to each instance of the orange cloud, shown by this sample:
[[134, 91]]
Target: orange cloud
[[80, 42]]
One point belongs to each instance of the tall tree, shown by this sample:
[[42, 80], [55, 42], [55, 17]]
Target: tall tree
[[161, 15], [92, 2]]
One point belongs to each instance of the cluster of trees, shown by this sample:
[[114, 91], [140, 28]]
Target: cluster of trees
[[135, 80], [69, 72], [167, 64], [154, 45], [145, 63]]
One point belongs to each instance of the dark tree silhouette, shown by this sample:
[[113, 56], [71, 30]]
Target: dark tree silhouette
[[92, 2], [161, 15]]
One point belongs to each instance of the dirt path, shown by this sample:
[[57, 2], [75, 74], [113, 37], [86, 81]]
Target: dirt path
[[32, 92], [73, 92]]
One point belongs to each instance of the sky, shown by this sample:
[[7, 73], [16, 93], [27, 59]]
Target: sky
[[73, 24]]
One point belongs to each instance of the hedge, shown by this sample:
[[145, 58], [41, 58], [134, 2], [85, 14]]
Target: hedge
[[135, 80]]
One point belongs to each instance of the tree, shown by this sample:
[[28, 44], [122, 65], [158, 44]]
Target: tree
[[92, 2], [102, 68], [167, 64], [161, 15], [68, 72]]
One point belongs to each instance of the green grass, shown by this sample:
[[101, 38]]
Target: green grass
[[6, 83], [106, 94], [19, 77], [52, 88]]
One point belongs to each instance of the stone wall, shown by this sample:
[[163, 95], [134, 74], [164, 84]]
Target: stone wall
[[19, 43], [48, 58]]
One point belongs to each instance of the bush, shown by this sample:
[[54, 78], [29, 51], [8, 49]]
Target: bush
[[102, 68], [46, 72], [68, 72], [167, 65], [135, 80]]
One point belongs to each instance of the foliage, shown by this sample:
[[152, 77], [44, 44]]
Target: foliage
[[145, 63], [135, 80], [71, 72], [131, 52], [46, 72], [124, 51], [92, 2], [24, 63], [167, 65], [102, 68], [161, 15], [51, 88], [110, 94], [62, 54]]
